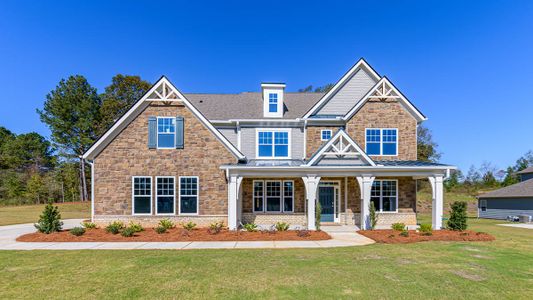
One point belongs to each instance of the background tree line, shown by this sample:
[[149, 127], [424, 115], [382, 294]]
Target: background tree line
[[34, 169]]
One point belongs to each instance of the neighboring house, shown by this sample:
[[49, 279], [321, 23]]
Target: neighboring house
[[513, 200], [265, 157]]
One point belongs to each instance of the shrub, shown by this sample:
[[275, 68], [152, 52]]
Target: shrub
[[77, 231], [137, 227], [115, 227], [373, 216], [426, 229], [303, 233], [398, 226], [128, 232], [250, 227], [88, 225], [404, 233], [215, 227], [189, 226], [160, 229], [282, 226], [49, 220], [318, 212], [457, 220], [167, 224]]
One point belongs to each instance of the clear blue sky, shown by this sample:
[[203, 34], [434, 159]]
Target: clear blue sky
[[467, 65]]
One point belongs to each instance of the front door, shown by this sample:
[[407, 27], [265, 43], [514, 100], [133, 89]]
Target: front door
[[326, 197]]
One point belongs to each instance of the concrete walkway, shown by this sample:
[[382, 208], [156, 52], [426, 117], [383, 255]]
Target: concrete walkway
[[342, 236], [519, 225]]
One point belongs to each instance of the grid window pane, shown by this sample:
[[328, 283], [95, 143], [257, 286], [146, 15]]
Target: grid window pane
[[272, 103], [258, 196], [189, 195], [384, 195], [288, 194], [165, 195], [273, 144], [273, 196], [142, 191], [326, 135], [166, 132]]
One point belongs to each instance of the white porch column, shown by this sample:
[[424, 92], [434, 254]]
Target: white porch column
[[233, 190], [365, 186], [311, 188], [437, 206]]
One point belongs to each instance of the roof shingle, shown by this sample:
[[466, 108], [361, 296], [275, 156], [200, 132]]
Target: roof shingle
[[518, 190]]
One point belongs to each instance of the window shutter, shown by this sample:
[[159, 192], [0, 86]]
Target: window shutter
[[180, 137], [152, 132]]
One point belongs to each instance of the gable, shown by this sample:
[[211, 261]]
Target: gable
[[161, 92], [340, 150]]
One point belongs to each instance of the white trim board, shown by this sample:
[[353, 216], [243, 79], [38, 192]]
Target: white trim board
[[341, 133]]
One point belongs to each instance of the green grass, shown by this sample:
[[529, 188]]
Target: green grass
[[453, 270], [30, 213], [423, 201]]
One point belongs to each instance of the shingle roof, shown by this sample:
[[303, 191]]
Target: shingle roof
[[408, 163], [249, 105], [526, 171], [274, 163], [518, 190]]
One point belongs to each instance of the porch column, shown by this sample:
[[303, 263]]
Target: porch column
[[311, 188], [437, 206], [233, 190], [365, 186]]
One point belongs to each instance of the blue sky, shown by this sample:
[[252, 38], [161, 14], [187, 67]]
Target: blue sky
[[467, 65]]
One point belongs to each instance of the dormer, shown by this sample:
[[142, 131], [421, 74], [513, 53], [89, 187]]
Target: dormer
[[273, 99]]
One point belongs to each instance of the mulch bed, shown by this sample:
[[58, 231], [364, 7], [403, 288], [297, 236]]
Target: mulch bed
[[173, 235], [389, 236]]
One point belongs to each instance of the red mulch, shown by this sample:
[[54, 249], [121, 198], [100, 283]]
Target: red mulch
[[172, 235], [389, 236]]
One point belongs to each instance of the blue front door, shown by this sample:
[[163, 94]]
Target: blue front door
[[326, 196]]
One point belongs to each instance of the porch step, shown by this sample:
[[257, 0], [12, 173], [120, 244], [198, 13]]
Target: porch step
[[330, 224]]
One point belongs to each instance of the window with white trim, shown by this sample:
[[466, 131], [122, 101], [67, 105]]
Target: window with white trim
[[189, 187], [273, 102], [142, 195], [166, 133], [273, 144], [381, 141], [384, 195], [165, 197], [325, 135], [273, 196]]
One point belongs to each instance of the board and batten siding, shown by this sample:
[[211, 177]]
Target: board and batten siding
[[500, 208], [249, 143], [348, 95]]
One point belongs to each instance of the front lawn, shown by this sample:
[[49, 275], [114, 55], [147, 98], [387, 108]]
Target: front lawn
[[455, 270], [30, 213]]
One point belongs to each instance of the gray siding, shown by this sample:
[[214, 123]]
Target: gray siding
[[348, 95], [230, 134], [248, 142], [501, 208]]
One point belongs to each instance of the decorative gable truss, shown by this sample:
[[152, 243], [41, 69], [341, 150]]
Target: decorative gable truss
[[384, 90], [341, 149]]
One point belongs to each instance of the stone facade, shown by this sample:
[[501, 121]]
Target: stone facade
[[314, 141], [128, 155]]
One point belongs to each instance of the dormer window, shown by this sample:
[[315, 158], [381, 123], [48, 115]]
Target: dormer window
[[273, 99], [273, 103]]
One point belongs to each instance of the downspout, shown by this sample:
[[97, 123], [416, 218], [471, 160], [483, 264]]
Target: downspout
[[305, 139], [92, 188]]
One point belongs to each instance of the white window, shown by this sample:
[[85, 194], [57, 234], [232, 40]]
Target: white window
[[165, 195], [272, 103], [384, 195], [141, 192], [166, 133], [381, 141], [273, 196], [483, 205], [325, 135], [189, 187], [273, 143]]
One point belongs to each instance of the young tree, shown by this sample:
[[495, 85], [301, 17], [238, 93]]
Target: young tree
[[510, 177], [426, 147], [71, 111], [119, 96], [454, 181]]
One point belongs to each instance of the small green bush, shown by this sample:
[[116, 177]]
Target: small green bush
[[137, 227], [49, 220], [128, 232], [167, 224], [426, 229], [404, 233], [373, 216], [250, 227], [282, 226], [77, 231], [189, 226], [458, 217], [88, 225], [160, 229], [216, 227], [398, 226], [115, 227], [318, 213]]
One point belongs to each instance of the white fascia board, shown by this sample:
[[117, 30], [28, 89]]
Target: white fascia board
[[339, 168], [340, 83], [409, 106], [333, 140], [142, 103]]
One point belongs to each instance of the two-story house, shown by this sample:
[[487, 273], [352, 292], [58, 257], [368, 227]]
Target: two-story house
[[265, 156]]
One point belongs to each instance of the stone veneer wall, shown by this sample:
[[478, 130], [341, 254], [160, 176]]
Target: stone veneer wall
[[128, 155], [314, 139]]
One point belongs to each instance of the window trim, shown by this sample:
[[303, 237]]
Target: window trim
[[381, 197], [273, 130], [157, 133], [322, 134], [282, 197], [197, 197], [381, 141], [254, 197], [157, 197], [133, 195]]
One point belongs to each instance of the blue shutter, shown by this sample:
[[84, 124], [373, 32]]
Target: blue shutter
[[152, 132], [180, 137]]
